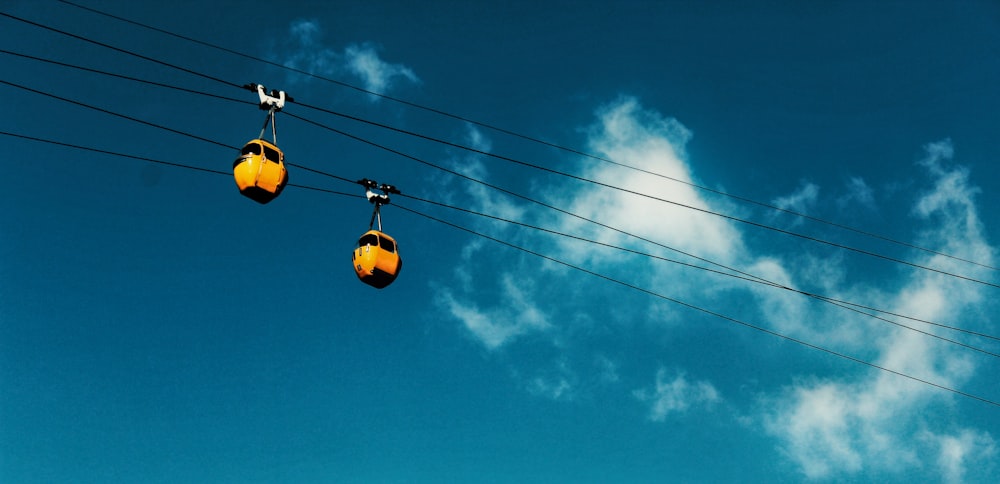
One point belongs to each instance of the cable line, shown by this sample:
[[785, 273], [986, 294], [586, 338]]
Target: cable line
[[122, 76], [636, 193], [762, 280], [704, 310], [584, 270], [118, 49], [455, 173], [160, 162], [579, 178], [831, 300], [515, 194], [529, 138], [836, 302], [123, 116]]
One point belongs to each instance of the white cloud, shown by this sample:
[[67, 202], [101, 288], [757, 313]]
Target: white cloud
[[514, 314], [378, 76], [675, 395], [831, 427], [801, 201], [858, 192], [956, 452], [304, 50], [857, 421], [628, 133], [556, 383]]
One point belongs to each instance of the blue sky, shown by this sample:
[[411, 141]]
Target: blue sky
[[158, 327]]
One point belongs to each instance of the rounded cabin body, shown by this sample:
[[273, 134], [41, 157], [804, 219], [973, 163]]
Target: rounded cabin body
[[376, 259], [260, 171]]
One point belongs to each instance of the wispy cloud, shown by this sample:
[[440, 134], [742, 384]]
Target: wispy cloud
[[872, 421], [513, 311], [651, 142], [378, 76], [801, 200], [675, 394], [514, 314], [838, 425], [857, 192], [304, 50], [955, 453]]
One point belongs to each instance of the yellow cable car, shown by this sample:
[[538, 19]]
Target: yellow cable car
[[376, 259], [260, 171]]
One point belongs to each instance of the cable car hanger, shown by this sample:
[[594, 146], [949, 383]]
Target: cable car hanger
[[259, 170], [376, 258], [271, 103], [378, 199]]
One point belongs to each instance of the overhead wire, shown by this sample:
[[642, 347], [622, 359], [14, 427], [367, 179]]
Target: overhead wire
[[762, 280], [581, 269], [633, 192], [652, 197], [704, 310], [852, 306], [765, 281], [122, 76], [144, 81], [119, 49], [515, 134], [112, 113], [583, 179], [210, 77]]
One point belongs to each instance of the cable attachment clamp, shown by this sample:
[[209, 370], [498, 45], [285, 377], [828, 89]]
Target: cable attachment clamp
[[274, 101], [377, 198]]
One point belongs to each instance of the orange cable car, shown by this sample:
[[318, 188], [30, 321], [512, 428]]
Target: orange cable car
[[376, 259], [259, 171]]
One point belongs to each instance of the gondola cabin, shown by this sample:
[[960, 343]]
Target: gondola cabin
[[376, 259], [260, 171]]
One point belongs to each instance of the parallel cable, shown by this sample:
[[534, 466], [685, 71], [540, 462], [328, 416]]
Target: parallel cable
[[399, 153], [515, 194], [119, 49], [161, 162], [644, 195], [586, 271], [576, 177], [768, 283], [123, 116], [531, 139], [848, 305], [765, 281], [704, 310], [122, 76]]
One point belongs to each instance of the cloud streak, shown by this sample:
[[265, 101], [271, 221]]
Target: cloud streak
[[835, 426], [673, 395], [852, 422], [304, 50]]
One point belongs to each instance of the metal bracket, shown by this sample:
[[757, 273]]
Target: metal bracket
[[269, 102], [377, 198]]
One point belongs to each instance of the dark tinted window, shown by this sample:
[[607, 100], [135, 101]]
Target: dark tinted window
[[368, 239], [270, 154], [387, 244], [251, 149]]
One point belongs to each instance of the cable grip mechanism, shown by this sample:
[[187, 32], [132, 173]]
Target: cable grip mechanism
[[273, 102], [377, 198]]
